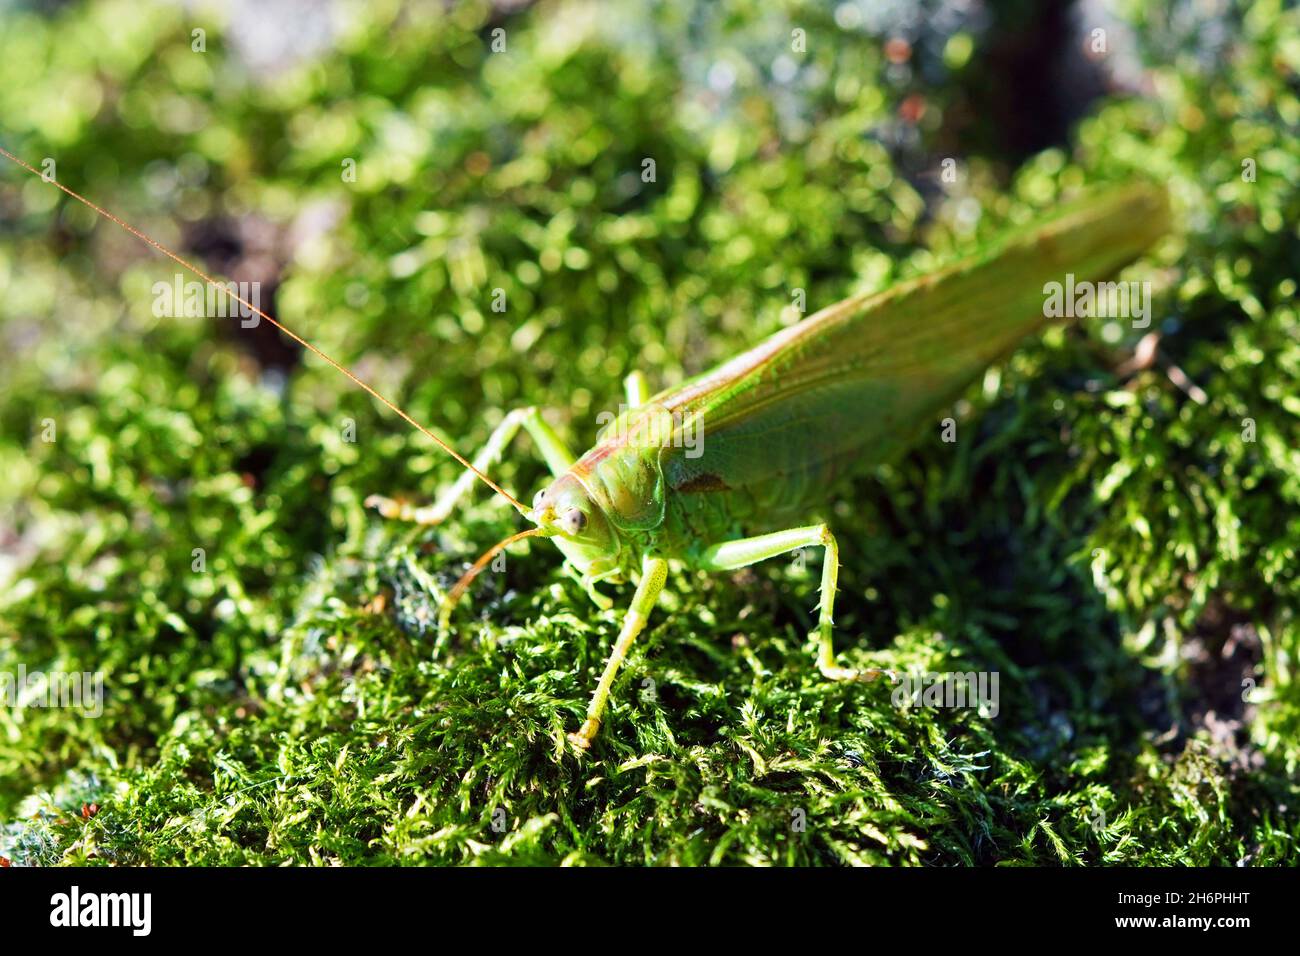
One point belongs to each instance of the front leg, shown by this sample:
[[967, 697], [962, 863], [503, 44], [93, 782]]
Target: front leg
[[742, 552], [557, 455], [654, 572]]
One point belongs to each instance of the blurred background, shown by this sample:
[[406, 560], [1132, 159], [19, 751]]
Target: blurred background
[[383, 168]]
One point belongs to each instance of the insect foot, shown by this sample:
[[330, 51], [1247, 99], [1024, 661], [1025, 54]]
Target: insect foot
[[396, 510], [835, 672], [582, 739]]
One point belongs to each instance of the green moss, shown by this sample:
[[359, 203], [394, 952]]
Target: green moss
[[1115, 549]]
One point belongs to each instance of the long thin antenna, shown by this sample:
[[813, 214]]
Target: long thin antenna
[[289, 332], [460, 587]]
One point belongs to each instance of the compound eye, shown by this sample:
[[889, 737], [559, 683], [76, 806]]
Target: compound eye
[[537, 499], [573, 521]]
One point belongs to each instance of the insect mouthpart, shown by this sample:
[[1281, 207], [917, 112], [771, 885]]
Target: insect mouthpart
[[544, 518]]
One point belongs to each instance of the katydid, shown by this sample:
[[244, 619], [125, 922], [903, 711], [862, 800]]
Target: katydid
[[716, 473]]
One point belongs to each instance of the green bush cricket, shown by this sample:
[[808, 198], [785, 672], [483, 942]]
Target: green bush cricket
[[690, 474], [716, 473]]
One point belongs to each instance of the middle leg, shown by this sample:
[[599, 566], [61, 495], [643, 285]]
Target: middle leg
[[742, 552]]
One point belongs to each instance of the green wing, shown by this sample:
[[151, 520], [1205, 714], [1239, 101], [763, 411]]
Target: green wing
[[852, 385]]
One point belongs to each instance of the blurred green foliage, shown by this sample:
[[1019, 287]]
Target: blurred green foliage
[[1111, 546]]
